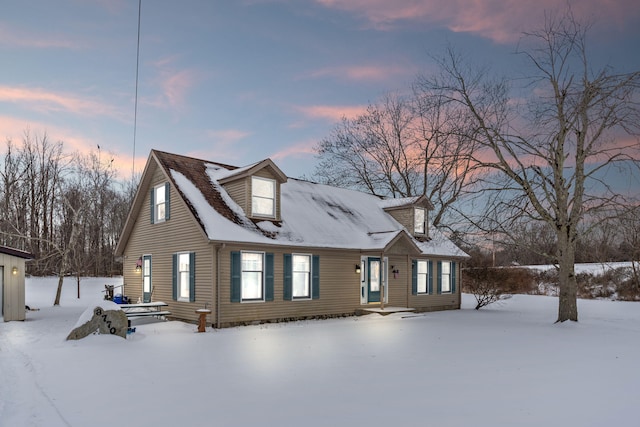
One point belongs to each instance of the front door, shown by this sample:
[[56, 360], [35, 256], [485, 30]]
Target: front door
[[373, 280], [146, 278]]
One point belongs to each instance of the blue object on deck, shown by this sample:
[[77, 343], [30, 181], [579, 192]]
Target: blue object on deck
[[120, 299]]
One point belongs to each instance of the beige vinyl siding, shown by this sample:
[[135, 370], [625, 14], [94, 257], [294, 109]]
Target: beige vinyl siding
[[339, 288], [180, 233], [433, 302], [13, 297], [240, 192]]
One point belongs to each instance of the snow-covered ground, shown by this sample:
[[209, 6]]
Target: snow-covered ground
[[504, 365]]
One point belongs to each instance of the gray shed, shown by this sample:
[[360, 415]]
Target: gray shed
[[12, 301]]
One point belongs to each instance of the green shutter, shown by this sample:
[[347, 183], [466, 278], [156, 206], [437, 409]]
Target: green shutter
[[174, 277], [453, 277], [167, 199], [414, 277], [152, 206], [287, 278], [430, 278], [315, 277], [268, 277], [192, 277], [236, 276], [439, 277]]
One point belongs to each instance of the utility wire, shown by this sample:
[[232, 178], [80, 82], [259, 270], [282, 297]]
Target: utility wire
[[135, 108]]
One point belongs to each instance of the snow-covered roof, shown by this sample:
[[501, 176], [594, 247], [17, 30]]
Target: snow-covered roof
[[312, 215]]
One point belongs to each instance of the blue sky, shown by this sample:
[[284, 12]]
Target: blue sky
[[240, 81]]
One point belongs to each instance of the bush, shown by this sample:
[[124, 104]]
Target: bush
[[489, 284]]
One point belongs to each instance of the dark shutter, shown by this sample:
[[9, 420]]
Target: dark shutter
[[315, 277], [414, 277], [430, 278], [439, 289], [236, 276], [152, 205], [167, 201], [287, 278], [174, 277], [192, 277], [453, 277], [268, 277]]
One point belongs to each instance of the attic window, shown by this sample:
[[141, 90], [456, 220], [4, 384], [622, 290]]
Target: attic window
[[263, 197], [419, 221]]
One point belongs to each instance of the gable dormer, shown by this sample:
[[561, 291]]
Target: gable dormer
[[256, 189], [412, 213]]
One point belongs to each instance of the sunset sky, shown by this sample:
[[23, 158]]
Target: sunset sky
[[237, 81]]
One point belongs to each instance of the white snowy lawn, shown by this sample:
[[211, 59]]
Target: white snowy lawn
[[504, 365]]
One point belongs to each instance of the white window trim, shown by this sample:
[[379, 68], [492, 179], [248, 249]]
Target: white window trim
[[424, 222], [244, 300], [156, 218], [305, 298], [426, 291], [179, 297], [448, 278], [273, 198]]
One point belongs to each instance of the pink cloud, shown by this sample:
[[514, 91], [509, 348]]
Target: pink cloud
[[227, 136], [46, 102], [332, 112], [502, 21], [13, 38], [362, 72], [174, 83], [305, 148]]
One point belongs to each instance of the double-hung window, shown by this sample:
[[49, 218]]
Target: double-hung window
[[301, 276], [251, 276], [422, 277], [159, 208], [263, 197], [446, 277], [184, 276], [419, 217]]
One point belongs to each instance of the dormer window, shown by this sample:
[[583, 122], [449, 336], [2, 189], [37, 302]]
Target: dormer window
[[419, 216], [159, 203], [263, 197]]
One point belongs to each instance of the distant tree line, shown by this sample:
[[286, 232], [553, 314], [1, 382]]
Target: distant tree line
[[67, 210]]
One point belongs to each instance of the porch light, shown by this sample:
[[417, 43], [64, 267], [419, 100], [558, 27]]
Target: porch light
[[139, 265], [14, 271], [357, 268]]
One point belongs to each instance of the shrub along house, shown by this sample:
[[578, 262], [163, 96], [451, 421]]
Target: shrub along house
[[253, 245]]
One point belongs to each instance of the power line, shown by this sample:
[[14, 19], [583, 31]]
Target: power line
[[135, 108]]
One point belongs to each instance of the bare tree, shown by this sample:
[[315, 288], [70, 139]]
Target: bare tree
[[550, 151], [402, 146]]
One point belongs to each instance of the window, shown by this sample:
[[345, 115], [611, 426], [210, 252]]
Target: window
[[446, 277], [159, 203], [301, 277], [422, 276], [184, 276], [252, 276], [146, 278], [263, 197], [419, 221]]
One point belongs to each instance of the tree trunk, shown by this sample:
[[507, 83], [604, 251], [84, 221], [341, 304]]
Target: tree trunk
[[59, 291], [568, 298]]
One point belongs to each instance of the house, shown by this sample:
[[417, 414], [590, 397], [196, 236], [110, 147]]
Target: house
[[12, 299], [253, 245]]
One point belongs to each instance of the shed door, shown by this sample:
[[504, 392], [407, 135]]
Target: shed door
[[374, 279], [146, 278]]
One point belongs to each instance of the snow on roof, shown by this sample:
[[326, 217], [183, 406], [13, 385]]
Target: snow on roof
[[401, 201], [312, 215]]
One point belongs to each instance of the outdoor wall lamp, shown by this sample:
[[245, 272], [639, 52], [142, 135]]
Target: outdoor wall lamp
[[139, 265], [395, 272], [14, 271], [357, 268]]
